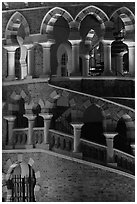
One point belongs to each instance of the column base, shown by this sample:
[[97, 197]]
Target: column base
[[19, 146], [42, 146], [8, 146], [29, 146], [28, 77], [44, 76], [78, 155], [112, 164], [10, 78], [107, 73]]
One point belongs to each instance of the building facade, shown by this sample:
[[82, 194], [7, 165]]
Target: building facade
[[68, 74]]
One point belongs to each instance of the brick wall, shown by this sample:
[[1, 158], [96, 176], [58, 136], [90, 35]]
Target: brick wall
[[63, 180]]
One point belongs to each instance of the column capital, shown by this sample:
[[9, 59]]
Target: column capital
[[77, 125], [129, 44], [11, 48], [47, 44], [74, 42], [30, 117], [10, 118], [110, 135], [107, 42], [46, 116], [28, 46], [86, 56]]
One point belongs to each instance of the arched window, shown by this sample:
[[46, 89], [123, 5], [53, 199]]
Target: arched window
[[17, 64], [64, 60]]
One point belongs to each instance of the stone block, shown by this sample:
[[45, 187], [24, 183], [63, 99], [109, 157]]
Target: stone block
[[63, 101], [72, 102], [87, 104], [53, 94], [31, 162], [23, 94]]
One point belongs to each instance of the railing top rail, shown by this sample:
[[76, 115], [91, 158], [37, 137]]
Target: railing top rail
[[20, 129], [61, 133], [38, 128], [93, 143], [124, 154]]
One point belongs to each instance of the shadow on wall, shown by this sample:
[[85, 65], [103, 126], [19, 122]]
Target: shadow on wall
[[92, 129]]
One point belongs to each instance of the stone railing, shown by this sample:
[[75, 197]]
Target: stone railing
[[19, 138], [60, 142], [124, 161], [93, 151], [38, 135]]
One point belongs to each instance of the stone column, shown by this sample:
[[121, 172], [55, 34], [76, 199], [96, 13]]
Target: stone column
[[107, 58], [77, 133], [46, 58], [29, 61], [131, 58], [119, 64], [47, 119], [23, 63], [75, 57], [11, 120], [110, 151], [31, 120], [133, 148], [85, 66], [11, 62]]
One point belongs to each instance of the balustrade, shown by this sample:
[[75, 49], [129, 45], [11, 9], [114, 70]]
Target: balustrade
[[38, 136], [20, 138], [93, 152], [124, 161], [60, 141]]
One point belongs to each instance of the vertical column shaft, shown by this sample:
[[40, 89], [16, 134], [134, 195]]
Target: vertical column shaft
[[107, 59], [47, 119], [11, 120], [75, 57], [77, 133]]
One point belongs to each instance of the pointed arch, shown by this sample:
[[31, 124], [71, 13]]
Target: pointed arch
[[93, 10], [16, 22], [126, 16], [64, 48], [51, 17]]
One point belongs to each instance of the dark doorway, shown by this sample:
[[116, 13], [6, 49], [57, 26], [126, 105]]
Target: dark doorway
[[92, 129], [121, 141]]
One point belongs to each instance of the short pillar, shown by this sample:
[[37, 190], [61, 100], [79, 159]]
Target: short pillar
[[11, 120], [131, 58], [29, 61], [47, 120], [46, 58], [133, 148], [110, 151], [75, 57], [11, 62], [107, 58], [23, 63], [31, 119], [77, 133], [85, 66]]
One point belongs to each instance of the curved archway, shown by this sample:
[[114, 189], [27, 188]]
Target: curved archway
[[51, 17], [93, 127], [21, 181], [38, 60], [97, 12], [17, 26], [64, 48], [127, 18], [126, 134]]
